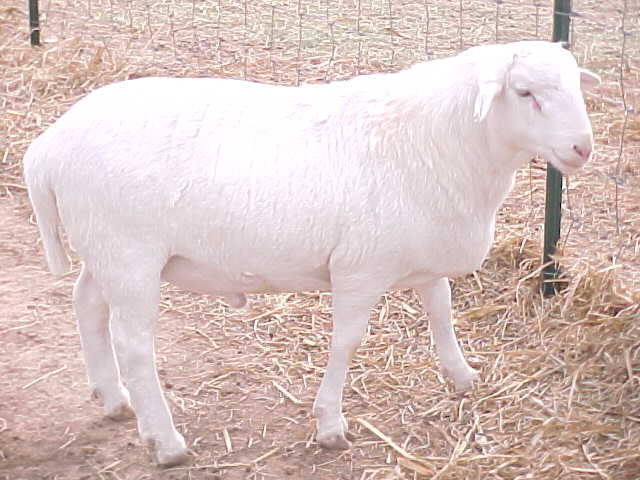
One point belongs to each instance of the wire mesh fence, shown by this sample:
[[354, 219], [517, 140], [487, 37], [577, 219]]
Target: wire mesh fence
[[287, 41]]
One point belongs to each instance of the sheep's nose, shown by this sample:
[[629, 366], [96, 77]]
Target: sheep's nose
[[583, 150]]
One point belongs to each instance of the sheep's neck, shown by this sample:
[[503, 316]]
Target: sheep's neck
[[469, 172]]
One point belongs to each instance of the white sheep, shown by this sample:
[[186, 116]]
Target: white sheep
[[227, 187]]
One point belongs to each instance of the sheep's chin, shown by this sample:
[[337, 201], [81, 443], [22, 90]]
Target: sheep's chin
[[566, 167]]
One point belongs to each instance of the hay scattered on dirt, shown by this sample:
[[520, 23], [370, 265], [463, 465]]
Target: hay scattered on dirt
[[559, 393]]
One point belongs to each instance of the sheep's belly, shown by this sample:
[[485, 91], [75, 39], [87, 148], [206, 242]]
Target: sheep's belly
[[216, 280]]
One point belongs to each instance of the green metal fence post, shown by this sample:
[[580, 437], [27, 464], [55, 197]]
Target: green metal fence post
[[34, 22], [553, 202]]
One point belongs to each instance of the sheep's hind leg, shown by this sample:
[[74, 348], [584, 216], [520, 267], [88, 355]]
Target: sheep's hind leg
[[436, 302], [350, 318], [92, 314], [133, 302]]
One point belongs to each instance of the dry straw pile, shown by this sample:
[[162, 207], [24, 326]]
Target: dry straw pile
[[559, 395]]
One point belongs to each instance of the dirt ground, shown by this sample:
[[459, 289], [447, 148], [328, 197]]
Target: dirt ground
[[558, 395]]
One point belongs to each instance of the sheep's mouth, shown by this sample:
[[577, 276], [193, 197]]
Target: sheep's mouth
[[565, 165]]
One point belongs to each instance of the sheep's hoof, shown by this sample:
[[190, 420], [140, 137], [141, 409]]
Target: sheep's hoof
[[464, 381], [116, 406], [335, 440], [235, 300], [122, 411], [168, 455]]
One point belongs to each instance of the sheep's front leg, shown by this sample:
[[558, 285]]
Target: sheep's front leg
[[350, 319], [92, 315], [134, 308], [436, 302]]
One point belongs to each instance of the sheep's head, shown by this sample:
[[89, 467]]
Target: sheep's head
[[533, 93]]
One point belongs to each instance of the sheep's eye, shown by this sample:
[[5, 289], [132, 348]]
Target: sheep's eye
[[528, 94]]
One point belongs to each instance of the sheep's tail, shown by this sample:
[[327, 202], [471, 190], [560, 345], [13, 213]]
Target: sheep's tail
[[45, 207]]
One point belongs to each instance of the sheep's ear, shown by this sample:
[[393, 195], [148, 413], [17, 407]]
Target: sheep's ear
[[588, 80], [487, 91], [491, 82]]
